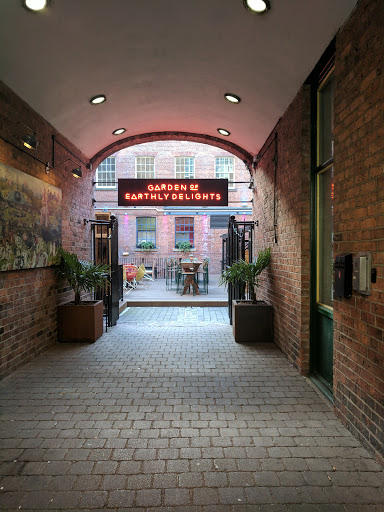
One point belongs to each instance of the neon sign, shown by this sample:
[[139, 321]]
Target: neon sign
[[172, 192]]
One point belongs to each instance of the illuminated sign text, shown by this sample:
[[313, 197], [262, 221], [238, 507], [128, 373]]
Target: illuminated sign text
[[172, 192]]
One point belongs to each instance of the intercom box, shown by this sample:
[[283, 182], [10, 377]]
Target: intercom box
[[362, 265]]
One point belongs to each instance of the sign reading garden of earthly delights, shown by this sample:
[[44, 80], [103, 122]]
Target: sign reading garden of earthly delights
[[173, 192]]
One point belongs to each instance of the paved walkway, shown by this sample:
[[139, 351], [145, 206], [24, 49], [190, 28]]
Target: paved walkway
[[167, 413]]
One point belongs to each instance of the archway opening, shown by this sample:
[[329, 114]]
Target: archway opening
[[158, 236]]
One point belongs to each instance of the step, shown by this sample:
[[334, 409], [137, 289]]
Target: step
[[182, 303]]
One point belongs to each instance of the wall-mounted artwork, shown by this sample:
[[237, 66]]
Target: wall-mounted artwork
[[30, 220]]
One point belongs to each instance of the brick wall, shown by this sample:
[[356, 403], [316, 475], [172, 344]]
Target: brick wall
[[358, 224], [207, 242], [359, 220], [285, 283], [28, 298]]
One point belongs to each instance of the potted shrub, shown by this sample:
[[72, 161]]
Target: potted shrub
[[80, 320], [147, 246], [252, 319], [184, 246]]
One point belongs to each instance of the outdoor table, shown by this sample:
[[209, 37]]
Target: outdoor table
[[189, 270]]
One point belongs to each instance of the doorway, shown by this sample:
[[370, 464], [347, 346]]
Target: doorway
[[322, 240]]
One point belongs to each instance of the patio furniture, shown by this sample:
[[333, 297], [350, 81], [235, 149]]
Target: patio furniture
[[150, 272], [203, 277], [140, 273], [189, 276], [172, 274], [129, 276]]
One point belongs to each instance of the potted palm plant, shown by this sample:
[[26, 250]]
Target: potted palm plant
[[252, 319], [80, 320]]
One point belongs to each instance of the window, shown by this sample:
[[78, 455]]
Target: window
[[145, 230], [324, 191], [326, 94], [219, 221], [183, 230], [145, 167], [106, 173], [225, 169], [185, 167]]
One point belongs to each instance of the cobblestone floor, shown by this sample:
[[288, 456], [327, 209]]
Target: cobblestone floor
[[167, 413]]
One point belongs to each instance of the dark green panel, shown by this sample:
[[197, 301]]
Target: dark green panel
[[322, 361]]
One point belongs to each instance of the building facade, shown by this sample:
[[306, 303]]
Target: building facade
[[155, 232]]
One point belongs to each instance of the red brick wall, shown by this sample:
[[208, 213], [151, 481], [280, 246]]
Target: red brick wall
[[285, 283], [207, 242], [359, 220], [358, 224], [28, 298]]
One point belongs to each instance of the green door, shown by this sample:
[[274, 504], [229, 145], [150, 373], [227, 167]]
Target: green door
[[322, 294]]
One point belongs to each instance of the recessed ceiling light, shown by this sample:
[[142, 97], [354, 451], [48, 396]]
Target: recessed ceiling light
[[232, 98], [119, 131], [35, 5], [257, 6], [222, 131], [96, 100]]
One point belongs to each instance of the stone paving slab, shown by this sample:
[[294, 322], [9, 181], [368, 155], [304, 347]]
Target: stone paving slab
[[167, 413]]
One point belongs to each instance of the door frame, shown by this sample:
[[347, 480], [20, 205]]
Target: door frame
[[319, 75]]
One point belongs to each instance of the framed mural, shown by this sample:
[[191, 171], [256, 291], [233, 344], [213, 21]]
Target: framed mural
[[30, 220]]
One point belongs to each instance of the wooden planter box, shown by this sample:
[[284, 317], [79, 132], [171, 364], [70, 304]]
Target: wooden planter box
[[80, 323], [252, 323]]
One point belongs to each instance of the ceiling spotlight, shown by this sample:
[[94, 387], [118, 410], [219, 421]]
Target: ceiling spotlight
[[119, 131], [257, 6], [96, 100], [77, 173], [35, 5], [29, 140], [232, 98], [222, 131]]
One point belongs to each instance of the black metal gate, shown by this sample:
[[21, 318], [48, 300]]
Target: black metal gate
[[238, 244], [105, 240]]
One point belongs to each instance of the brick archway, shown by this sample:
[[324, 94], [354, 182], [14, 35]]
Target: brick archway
[[157, 136]]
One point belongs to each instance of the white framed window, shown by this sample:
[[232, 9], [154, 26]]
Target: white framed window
[[185, 167], [145, 230], [225, 168], [145, 167], [106, 173]]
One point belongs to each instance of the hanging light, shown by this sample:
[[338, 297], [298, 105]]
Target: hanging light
[[29, 140], [224, 132], [257, 6], [77, 173]]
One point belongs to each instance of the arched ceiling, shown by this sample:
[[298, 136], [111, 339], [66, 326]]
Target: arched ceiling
[[164, 65]]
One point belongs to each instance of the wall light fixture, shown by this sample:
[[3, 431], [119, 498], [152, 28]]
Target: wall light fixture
[[77, 173]]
